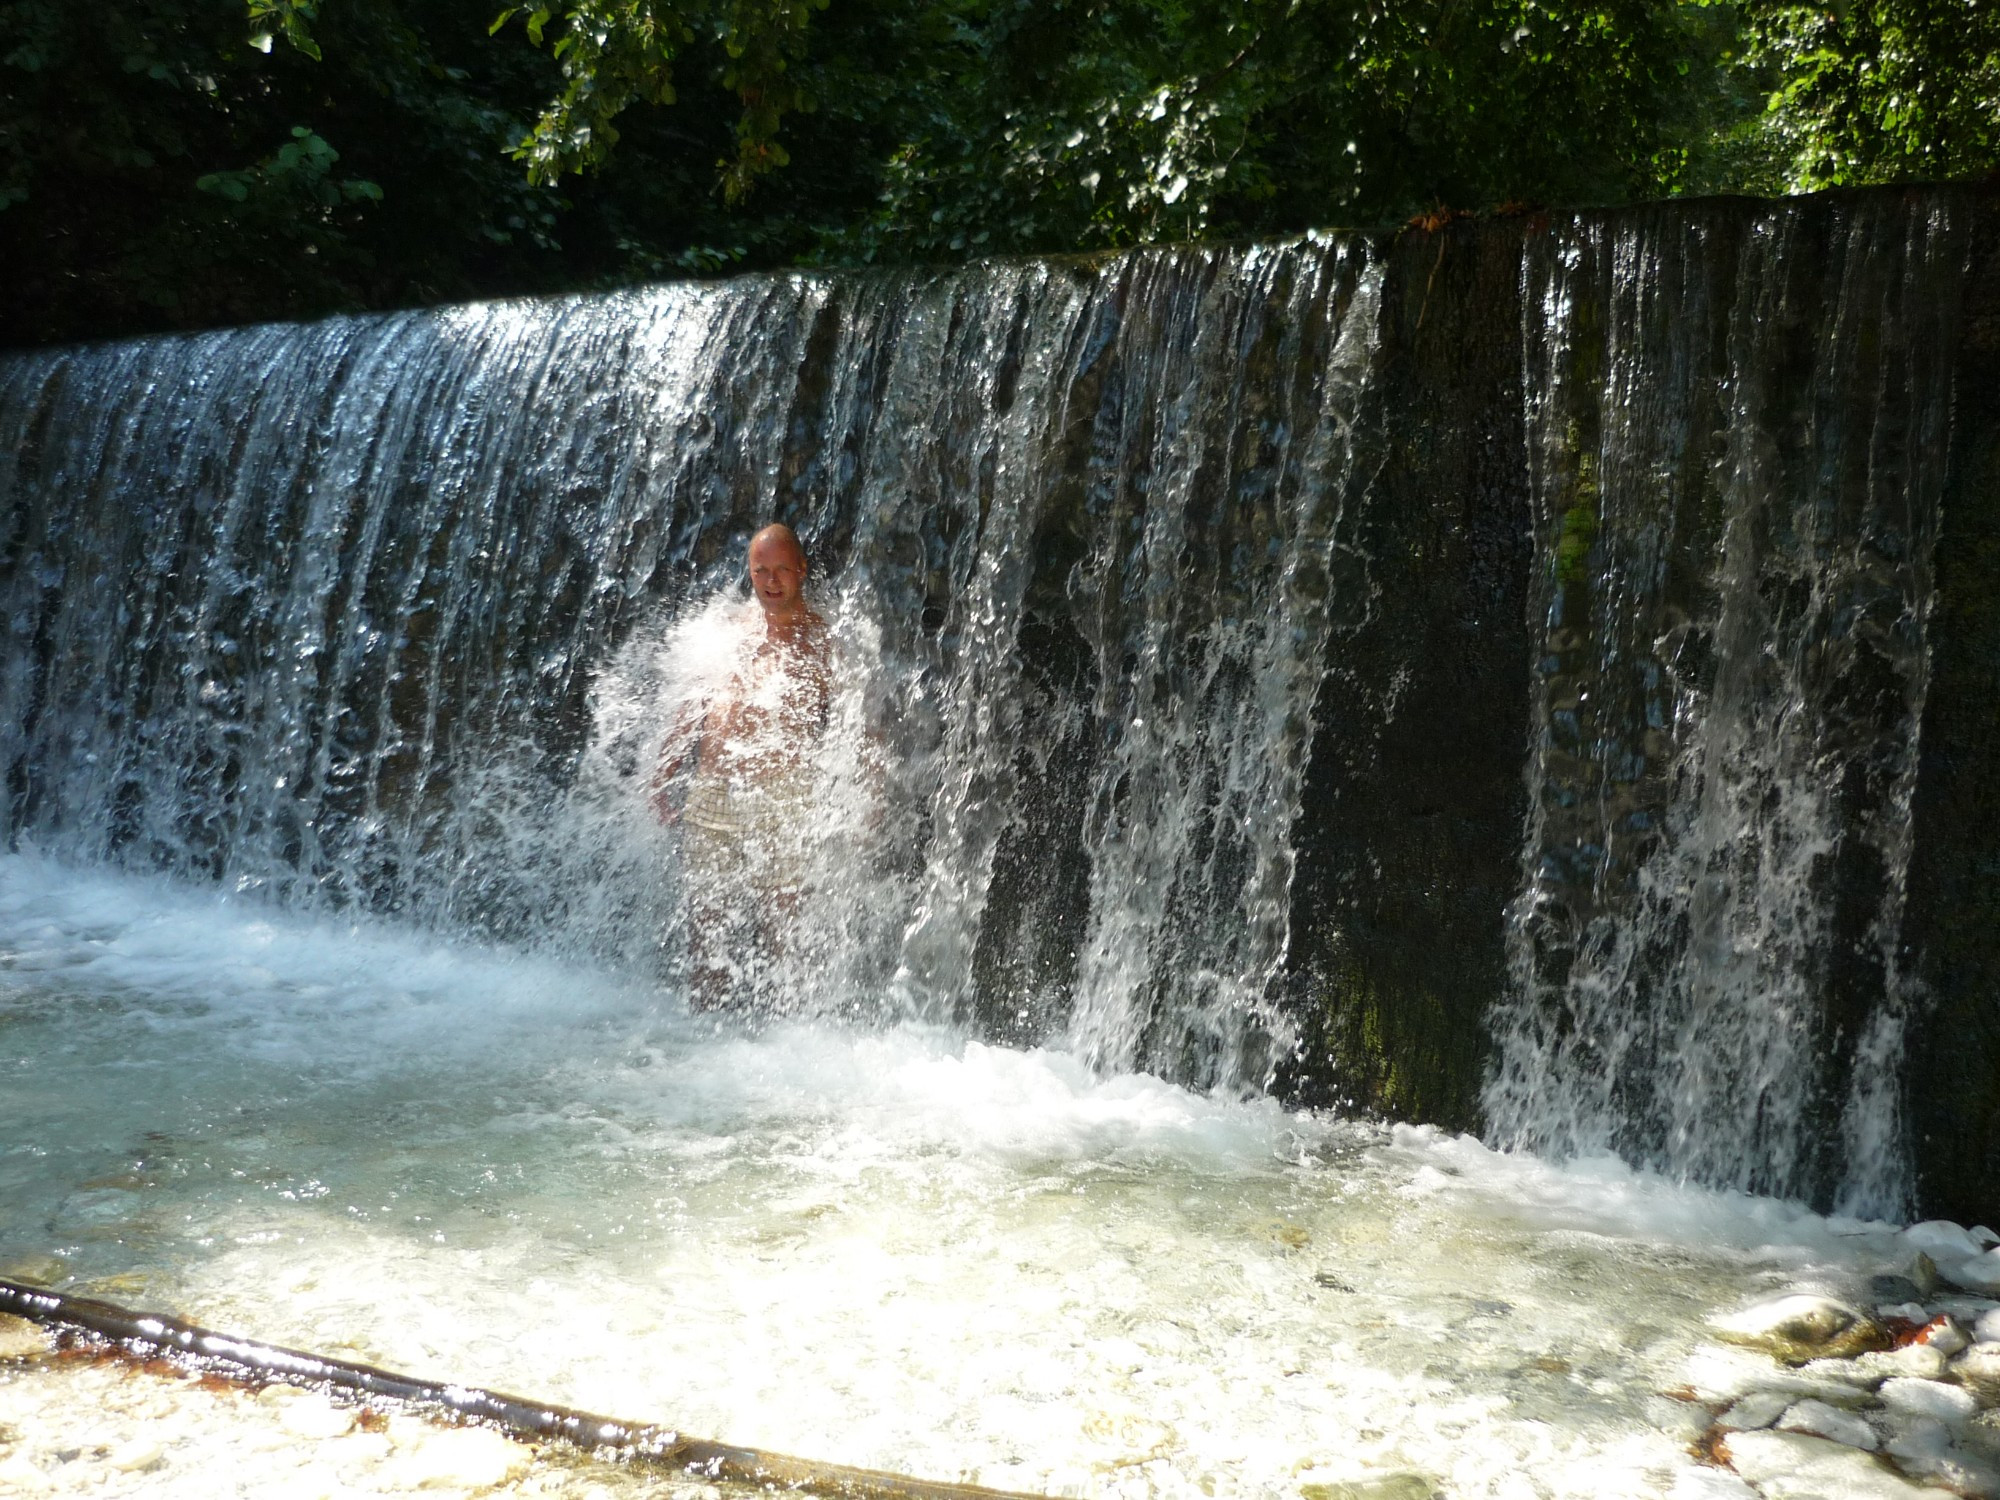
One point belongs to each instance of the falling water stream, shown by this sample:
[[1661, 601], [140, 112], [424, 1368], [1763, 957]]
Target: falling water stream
[[342, 960]]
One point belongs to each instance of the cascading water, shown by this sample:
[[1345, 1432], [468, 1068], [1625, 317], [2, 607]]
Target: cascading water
[[371, 612], [1738, 433]]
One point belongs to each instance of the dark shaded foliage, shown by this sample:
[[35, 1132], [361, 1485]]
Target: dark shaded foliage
[[181, 163]]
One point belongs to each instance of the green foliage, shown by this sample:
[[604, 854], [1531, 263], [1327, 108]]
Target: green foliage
[[176, 163], [617, 53], [300, 171], [1879, 92], [1093, 123], [289, 17]]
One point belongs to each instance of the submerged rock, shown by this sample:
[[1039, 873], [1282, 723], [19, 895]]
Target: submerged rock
[[458, 1458], [1821, 1420], [1803, 1326], [1950, 1404], [1799, 1466], [1923, 1447]]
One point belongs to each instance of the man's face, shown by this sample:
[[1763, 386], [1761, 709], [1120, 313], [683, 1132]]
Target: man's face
[[778, 574]]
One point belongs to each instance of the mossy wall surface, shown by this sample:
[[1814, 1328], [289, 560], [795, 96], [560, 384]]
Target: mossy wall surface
[[1409, 841]]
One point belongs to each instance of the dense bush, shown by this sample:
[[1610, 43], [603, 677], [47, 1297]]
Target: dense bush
[[178, 163]]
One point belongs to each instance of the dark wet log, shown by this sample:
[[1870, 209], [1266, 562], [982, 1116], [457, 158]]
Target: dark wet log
[[197, 1350]]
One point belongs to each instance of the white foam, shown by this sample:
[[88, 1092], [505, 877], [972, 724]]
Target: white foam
[[900, 1248]]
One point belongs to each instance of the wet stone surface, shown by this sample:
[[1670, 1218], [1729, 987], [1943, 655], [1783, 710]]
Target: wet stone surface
[[1905, 1402]]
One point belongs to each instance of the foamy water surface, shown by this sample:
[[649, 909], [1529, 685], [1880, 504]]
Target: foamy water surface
[[899, 1249]]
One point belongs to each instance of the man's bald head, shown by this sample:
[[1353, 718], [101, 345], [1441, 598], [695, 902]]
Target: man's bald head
[[778, 534], [778, 574]]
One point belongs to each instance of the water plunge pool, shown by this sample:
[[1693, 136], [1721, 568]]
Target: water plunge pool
[[901, 1249]]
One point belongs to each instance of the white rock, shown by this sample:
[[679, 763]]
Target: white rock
[[1944, 1334], [1866, 1371], [1709, 1484], [1758, 1409], [1909, 1312], [1918, 1442], [1984, 1235], [1986, 1328], [459, 1458], [1980, 1273], [1796, 1466], [1920, 1361], [18, 1476], [1951, 1404], [1978, 1369], [136, 1456], [1924, 1448], [407, 1431], [360, 1448], [317, 1418], [1821, 1420], [1942, 1240]]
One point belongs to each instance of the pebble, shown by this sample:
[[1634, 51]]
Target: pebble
[[1986, 1328], [1802, 1326], [20, 1339], [137, 1456], [1758, 1409], [1951, 1404], [315, 1418], [1943, 1334], [1821, 1420], [1908, 1312]]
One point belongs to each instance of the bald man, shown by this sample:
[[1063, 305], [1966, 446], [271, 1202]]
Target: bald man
[[751, 744]]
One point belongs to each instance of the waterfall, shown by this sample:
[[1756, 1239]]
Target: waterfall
[[1736, 433], [1476, 675], [365, 614]]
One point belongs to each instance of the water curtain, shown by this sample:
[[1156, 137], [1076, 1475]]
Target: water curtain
[[1475, 675]]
